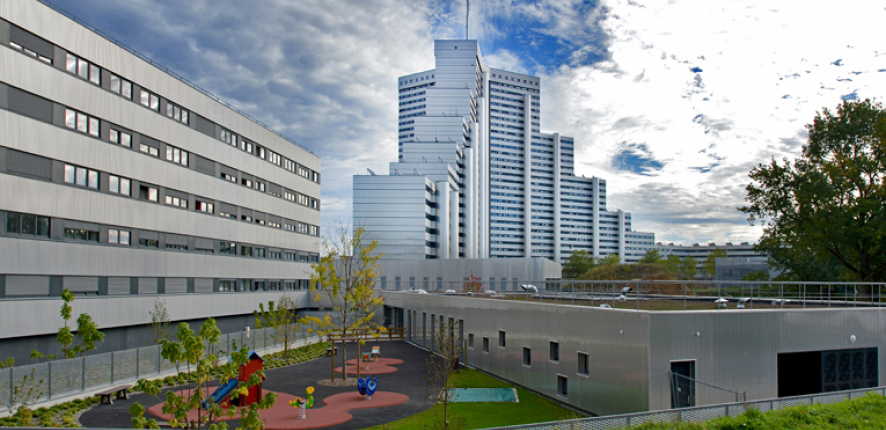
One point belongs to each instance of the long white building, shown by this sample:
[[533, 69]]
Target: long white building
[[476, 178], [121, 181]]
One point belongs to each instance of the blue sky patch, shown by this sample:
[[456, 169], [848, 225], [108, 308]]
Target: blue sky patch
[[635, 158]]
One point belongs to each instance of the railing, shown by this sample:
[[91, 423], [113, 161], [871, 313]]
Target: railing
[[167, 71], [673, 294], [695, 414], [391, 333], [63, 378]]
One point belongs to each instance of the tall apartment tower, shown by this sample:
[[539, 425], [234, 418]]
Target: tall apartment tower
[[476, 178]]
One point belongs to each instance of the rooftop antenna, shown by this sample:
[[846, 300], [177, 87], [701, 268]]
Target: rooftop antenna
[[467, 18]]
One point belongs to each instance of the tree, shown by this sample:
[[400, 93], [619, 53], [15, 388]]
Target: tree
[[688, 267], [709, 266], [190, 349], [760, 275], [346, 276], [651, 257], [672, 264], [442, 367], [472, 284], [829, 203], [280, 318], [160, 322], [87, 330], [577, 264], [24, 392], [610, 260]]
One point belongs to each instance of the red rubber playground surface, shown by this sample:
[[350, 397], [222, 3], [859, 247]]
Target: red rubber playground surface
[[378, 367], [402, 393], [335, 410]]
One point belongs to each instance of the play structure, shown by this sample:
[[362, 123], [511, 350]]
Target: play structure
[[302, 404], [222, 395], [367, 386]]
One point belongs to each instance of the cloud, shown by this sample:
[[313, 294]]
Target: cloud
[[671, 102]]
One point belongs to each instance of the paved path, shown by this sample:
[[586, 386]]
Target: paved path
[[409, 380]]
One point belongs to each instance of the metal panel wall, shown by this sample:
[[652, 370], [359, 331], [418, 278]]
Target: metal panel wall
[[616, 341], [27, 285]]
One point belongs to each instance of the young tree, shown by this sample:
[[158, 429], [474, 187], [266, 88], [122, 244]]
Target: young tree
[[472, 285], [442, 367], [672, 263], [610, 260], [87, 330], [160, 322], [190, 349], [651, 257], [829, 203], [688, 267], [346, 276], [24, 392], [280, 318], [710, 263], [577, 264]]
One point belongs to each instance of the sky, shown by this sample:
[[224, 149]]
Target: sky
[[672, 103]]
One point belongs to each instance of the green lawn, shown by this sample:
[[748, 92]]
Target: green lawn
[[532, 408], [868, 412]]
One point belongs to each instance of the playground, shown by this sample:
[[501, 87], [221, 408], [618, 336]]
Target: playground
[[396, 388]]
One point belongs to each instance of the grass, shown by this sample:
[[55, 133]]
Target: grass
[[532, 408], [867, 412]]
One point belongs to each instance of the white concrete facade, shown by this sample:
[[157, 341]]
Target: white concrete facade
[[477, 130]]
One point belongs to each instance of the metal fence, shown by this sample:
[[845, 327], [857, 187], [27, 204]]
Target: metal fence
[[62, 378], [671, 294], [700, 413]]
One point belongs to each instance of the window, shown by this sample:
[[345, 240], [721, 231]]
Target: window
[[501, 339], [177, 156], [27, 224], [81, 234], [227, 248], [227, 215], [229, 178], [302, 228], [260, 253], [121, 86], [259, 185], [81, 122], [485, 344], [471, 340], [246, 182], [527, 356], [175, 247], [204, 250], [149, 243], [148, 193], [18, 47], [81, 176], [205, 207], [119, 185], [275, 255], [562, 389], [150, 150], [273, 224], [384, 283], [313, 230], [83, 69], [555, 351], [274, 157], [260, 221], [228, 137], [246, 251], [118, 237], [289, 256], [246, 145], [246, 218], [149, 100], [583, 368], [260, 151], [177, 113], [120, 138], [226, 285], [175, 201]]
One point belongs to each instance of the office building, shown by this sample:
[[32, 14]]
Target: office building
[[118, 178], [476, 177]]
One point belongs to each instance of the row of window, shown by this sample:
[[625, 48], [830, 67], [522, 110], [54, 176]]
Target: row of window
[[91, 72], [89, 178], [39, 226]]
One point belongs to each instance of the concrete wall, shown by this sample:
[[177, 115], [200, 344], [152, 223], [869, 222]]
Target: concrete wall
[[453, 271]]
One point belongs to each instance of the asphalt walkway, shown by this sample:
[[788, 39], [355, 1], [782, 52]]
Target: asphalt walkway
[[410, 379]]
